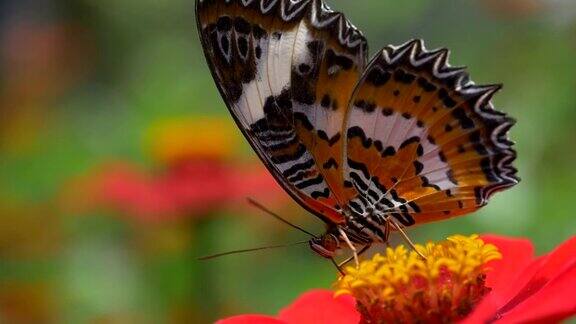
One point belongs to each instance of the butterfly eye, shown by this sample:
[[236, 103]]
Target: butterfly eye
[[325, 246]]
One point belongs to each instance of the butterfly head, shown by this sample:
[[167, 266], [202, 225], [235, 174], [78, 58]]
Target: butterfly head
[[325, 245]]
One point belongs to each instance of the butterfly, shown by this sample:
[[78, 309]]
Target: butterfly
[[368, 146]]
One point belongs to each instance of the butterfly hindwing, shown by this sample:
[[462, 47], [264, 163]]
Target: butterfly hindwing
[[286, 69], [423, 142]]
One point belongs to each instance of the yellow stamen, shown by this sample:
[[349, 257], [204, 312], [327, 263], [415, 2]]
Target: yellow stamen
[[400, 286]]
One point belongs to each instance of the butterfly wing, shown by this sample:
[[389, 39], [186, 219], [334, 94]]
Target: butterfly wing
[[423, 142], [286, 70]]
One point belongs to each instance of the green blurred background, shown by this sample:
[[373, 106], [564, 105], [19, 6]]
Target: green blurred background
[[119, 163]]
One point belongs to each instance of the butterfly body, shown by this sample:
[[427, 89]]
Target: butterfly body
[[366, 146]]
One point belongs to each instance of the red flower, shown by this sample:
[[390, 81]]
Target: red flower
[[313, 307], [528, 289], [189, 188], [524, 289]]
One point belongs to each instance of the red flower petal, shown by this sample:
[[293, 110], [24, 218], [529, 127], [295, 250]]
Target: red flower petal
[[251, 319], [544, 282], [549, 292], [517, 254], [321, 307], [552, 304]]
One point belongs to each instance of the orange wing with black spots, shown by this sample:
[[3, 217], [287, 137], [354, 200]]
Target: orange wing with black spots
[[286, 70], [423, 142]]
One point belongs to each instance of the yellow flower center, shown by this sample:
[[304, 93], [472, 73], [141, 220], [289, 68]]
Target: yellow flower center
[[402, 287]]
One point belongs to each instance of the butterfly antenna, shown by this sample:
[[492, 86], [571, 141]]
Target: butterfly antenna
[[213, 256], [269, 212]]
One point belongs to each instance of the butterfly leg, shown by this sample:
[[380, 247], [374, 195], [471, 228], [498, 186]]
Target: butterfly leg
[[351, 246], [405, 236], [338, 266], [362, 250], [387, 231]]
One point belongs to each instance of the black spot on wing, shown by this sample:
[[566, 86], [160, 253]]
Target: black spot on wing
[[465, 121], [340, 61], [404, 218], [304, 68], [418, 166], [361, 185], [426, 183], [321, 194], [389, 151], [357, 131], [377, 77], [331, 163], [367, 107], [310, 182], [372, 194], [426, 85], [420, 150], [299, 176], [325, 102], [414, 206], [450, 176], [258, 32], [242, 26], [283, 158], [224, 24], [378, 146], [403, 76], [360, 167], [387, 111], [243, 47], [234, 91], [298, 167], [331, 141], [355, 206], [411, 140], [387, 202], [442, 156], [376, 182], [396, 197], [304, 86], [446, 99]]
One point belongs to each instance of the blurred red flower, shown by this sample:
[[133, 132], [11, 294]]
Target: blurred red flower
[[198, 170], [194, 187], [524, 289]]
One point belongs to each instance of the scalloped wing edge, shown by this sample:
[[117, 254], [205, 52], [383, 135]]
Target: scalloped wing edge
[[498, 123], [319, 14]]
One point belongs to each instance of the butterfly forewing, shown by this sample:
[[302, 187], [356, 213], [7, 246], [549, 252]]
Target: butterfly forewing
[[423, 142], [286, 70]]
